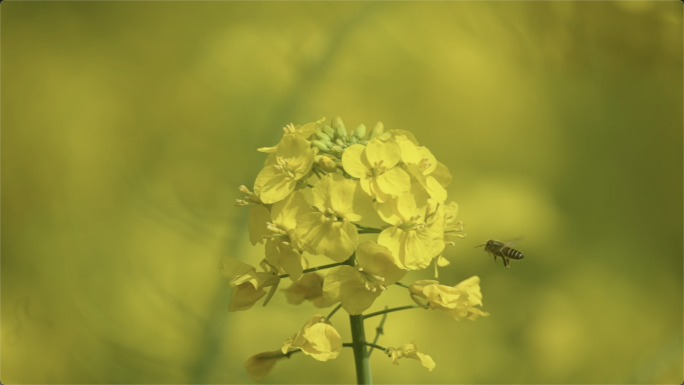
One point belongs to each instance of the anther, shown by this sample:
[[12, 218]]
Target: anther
[[290, 174], [245, 190], [415, 218], [374, 290], [360, 268], [383, 288], [379, 278]]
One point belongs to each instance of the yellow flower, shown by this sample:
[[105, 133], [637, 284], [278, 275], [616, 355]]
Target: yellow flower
[[374, 165], [357, 287], [280, 247], [329, 231], [457, 301], [452, 228], [410, 351], [260, 365], [304, 132], [421, 164], [292, 162], [318, 339], [415, 236], [248, 284], [310, 288]]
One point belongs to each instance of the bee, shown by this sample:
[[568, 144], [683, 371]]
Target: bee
[[503, 250]]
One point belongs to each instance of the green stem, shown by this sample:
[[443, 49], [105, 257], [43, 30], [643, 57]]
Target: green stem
[[367, 230], [401, 284], [378, 331], [323, 267], [334, 311], [381, 312], [372, 345], [363, 371]]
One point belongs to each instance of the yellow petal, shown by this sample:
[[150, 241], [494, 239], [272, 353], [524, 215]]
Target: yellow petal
[[411, 248], [436, 191], [355, 162], [349, 199], [285, 213], [378, 260], [232, 268], [441, 174], [344, 284], [274, 185], [395, 133], [386, 151], [325, 340], [394, 181], [244, 297], [334, 239], [290, 261], [292, 147], [309, 287]]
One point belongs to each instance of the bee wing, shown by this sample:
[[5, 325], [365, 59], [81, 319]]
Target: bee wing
[[513, 241]]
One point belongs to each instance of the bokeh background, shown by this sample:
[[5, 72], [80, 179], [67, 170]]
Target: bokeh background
[[128, 126]]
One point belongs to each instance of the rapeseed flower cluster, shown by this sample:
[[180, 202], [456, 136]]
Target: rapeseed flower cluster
[[312, 196]]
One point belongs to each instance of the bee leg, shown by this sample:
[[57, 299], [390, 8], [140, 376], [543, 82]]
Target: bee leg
[[507, 262], [494, 257]]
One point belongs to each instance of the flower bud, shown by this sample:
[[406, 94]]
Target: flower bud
[[322, 137], [339, 128], [377, 130], [360, 132], [327, 164], [337, 149], [329, 131], [320, 145]]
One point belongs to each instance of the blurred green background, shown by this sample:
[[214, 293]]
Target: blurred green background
[[127, 128]]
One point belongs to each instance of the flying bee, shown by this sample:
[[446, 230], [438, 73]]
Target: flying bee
[[503, 250]]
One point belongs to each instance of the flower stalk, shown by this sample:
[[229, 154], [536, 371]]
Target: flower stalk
[[361, 356]]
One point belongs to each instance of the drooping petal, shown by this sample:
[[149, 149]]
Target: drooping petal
[[290, 261], [410, 351], [309, 287], [260, 365], [244, 297], [325, 341], [233, 269]]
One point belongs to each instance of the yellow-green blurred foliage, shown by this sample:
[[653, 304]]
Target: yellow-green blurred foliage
[[127, 128]]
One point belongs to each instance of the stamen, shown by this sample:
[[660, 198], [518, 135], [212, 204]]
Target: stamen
[[379, 278], [360, 268], [374, 290], [240, 202], [290, 174], [383, 288], [415, 218], [245, 190]]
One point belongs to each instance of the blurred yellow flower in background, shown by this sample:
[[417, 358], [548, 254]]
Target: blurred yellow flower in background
[[260, 365], [248, 284]]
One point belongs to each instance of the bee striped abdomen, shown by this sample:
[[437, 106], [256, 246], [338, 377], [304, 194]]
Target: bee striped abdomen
[[512, 253]]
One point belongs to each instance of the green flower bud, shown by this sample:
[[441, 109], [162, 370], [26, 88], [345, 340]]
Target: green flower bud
[[337, 149], [353, 140], [360, 132], [320, 145], [327, 164], [329, 131], [322, 137], [377, 130]]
